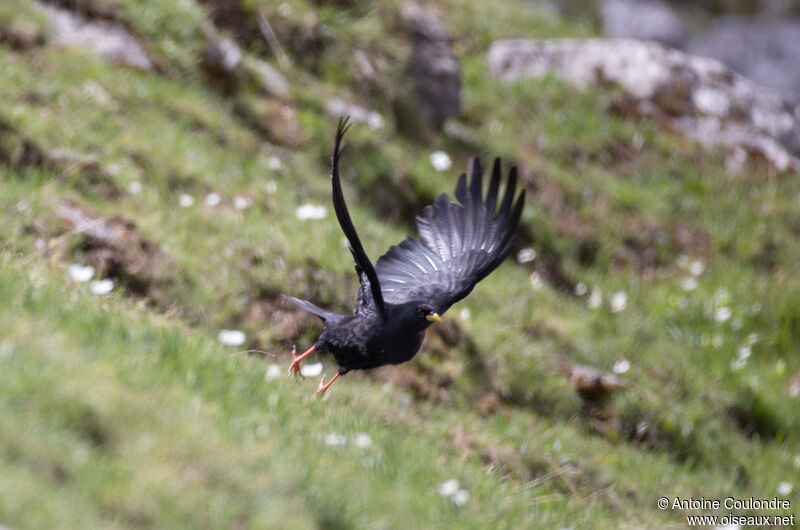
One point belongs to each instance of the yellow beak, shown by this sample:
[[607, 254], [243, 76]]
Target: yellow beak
[[434, 317]]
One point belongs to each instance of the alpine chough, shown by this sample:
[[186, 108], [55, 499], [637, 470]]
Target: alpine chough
[[418, 280]]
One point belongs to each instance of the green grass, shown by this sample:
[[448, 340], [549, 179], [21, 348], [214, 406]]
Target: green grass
[[124, 411]]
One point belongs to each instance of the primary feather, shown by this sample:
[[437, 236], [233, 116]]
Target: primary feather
[[460, 243]]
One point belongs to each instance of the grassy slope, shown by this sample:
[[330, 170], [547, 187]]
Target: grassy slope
[[114, 413]]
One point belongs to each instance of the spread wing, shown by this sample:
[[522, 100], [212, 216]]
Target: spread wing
[[370, 297], [458, 246]]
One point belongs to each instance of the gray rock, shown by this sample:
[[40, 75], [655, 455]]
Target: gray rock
[[222, 54], [646, 20], [227, 64], [765, 48], [106, 39], [222, 60], [433, 66], [696, 96], [267, 77]]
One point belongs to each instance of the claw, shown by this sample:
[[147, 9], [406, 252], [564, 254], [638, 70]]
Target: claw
[[295, 366], [322, 388]]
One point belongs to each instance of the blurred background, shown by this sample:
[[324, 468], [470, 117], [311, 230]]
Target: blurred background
[[758, 39], [164, 178]]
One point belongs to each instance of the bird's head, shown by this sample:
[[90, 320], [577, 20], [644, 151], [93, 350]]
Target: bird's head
[[427, 313]]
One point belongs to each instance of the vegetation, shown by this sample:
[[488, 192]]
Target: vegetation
[[124, 410]]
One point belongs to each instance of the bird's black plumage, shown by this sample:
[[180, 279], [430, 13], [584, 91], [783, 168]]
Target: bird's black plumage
[[407, 289]]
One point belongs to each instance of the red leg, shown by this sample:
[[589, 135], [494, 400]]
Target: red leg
[[295, 367], [323, 387]]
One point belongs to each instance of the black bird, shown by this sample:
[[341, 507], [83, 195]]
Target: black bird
[[417, 280]]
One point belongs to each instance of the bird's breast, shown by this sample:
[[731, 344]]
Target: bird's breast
[[395, 348]]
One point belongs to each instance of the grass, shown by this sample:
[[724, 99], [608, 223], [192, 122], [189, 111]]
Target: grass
[[124, 411]]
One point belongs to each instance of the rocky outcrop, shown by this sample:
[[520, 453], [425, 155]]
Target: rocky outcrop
[[642, 19], [227, 66], [765, 48], [760, 40], [695, 96], [101, 37]]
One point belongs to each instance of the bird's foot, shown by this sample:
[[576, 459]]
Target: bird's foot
[[295, 366], [323, 387]]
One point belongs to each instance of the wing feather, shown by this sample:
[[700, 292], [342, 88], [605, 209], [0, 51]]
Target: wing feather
[[459, 244], [366, 272]]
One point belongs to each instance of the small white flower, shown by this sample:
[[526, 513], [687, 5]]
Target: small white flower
[[525, 255], [621, 366], [722, 314], [39, 244], [213, 199], [737, 364], [464, 314], [580, 289], [744, 352], [375, 121], [186, 200], [536, 281], [80, 273], [460, 497], [231, 337], [273, 372], [311, 211], [274, 163], [23, 205], [619, 301], [689, 283], [271, 186], [135, 187], [696, 267], [440, 161], [449, 488], [752, 339], [785, 488], [362, 440], [595, 299], [241, 203], [102, 287], [311, 370], [335, 440]]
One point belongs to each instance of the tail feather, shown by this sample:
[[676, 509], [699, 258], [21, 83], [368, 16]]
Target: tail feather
[[311, 308]]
